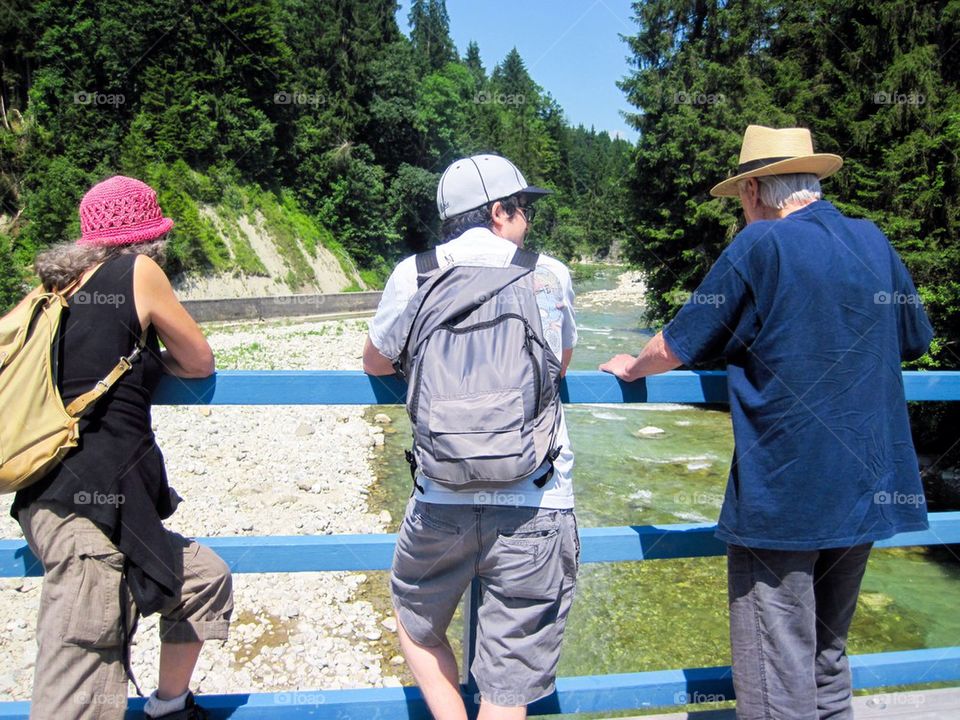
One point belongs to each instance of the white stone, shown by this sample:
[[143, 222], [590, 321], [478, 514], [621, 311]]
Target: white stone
[[649, 431]]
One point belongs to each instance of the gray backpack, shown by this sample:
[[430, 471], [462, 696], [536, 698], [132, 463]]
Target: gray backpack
[[483, 391]]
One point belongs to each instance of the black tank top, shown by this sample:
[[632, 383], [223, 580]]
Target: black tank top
[[115, 476]]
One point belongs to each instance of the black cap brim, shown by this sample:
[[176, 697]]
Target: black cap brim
[[534, 192]]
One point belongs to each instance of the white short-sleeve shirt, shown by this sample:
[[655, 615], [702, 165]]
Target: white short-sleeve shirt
[[555, 297]]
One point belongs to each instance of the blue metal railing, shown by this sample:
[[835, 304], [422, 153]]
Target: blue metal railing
[[602, 693]]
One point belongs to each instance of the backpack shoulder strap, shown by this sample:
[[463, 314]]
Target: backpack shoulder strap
[[525, 259], [80, 404], [426, 263]]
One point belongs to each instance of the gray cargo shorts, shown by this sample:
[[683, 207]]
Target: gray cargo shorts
[[527, 560]]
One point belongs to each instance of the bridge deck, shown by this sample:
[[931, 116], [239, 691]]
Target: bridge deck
[[919, 705]]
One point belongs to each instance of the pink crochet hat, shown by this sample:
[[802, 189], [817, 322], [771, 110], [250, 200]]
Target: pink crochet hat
[[121, 211]]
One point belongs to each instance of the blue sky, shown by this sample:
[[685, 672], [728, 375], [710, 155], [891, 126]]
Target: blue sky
[[572, 48]]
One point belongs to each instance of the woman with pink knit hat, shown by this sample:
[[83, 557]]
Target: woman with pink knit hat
[[95, 520]]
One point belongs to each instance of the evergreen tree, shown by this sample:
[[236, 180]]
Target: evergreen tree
[[474, 63], [430, 33], [510, 77], [520, 131]]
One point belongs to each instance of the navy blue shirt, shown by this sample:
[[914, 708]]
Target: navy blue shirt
[[813, 314]]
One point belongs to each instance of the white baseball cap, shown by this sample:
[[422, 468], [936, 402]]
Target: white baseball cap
[[474, 181]]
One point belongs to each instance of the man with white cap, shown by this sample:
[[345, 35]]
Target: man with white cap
[[813, 313], [520, 541]]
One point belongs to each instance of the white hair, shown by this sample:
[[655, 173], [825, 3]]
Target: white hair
[[778, 191]]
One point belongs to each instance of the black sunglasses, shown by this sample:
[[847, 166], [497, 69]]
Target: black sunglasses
[[529, 212]]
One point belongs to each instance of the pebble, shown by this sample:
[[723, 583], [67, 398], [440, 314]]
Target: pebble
[[290, 611], [649, 431]]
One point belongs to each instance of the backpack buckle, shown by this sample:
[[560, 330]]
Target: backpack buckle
[[127, 361]]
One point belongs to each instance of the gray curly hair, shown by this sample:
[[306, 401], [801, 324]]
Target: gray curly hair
[[66, 262]]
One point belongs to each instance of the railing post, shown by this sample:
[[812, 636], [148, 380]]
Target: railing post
[[471, 603]]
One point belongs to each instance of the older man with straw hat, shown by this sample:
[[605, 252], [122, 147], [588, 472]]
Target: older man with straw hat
[[813, 313]]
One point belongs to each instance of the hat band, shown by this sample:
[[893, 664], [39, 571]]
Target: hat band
[[761, 162]]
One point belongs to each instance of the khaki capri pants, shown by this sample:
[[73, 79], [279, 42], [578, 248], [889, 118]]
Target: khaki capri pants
[[79, 673]]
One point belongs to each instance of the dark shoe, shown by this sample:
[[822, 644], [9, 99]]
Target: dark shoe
[[191, 711]]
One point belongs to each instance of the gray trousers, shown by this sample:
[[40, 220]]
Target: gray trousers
[[790, 612]]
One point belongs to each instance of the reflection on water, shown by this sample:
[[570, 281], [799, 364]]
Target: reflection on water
[[642, 464]]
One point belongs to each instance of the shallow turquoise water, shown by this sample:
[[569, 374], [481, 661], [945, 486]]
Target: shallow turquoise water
[[663, 614]]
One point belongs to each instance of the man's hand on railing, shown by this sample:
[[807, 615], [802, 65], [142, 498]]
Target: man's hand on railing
[[656, 357]]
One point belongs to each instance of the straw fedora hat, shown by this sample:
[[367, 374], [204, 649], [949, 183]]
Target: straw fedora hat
[[773, 151]]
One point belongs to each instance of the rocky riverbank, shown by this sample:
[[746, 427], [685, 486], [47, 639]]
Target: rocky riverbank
[[259, 470], [630, 289]]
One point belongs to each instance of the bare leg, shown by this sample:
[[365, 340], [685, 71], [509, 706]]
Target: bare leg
[[435, 670], [489, 711], [177, 661]]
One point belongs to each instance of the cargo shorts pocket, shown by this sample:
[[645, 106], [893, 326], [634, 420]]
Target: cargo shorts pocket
[[528, 562], [423, 519], [94, 620]]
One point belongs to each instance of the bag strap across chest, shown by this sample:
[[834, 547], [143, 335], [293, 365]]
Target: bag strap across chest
[[427, 262]]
